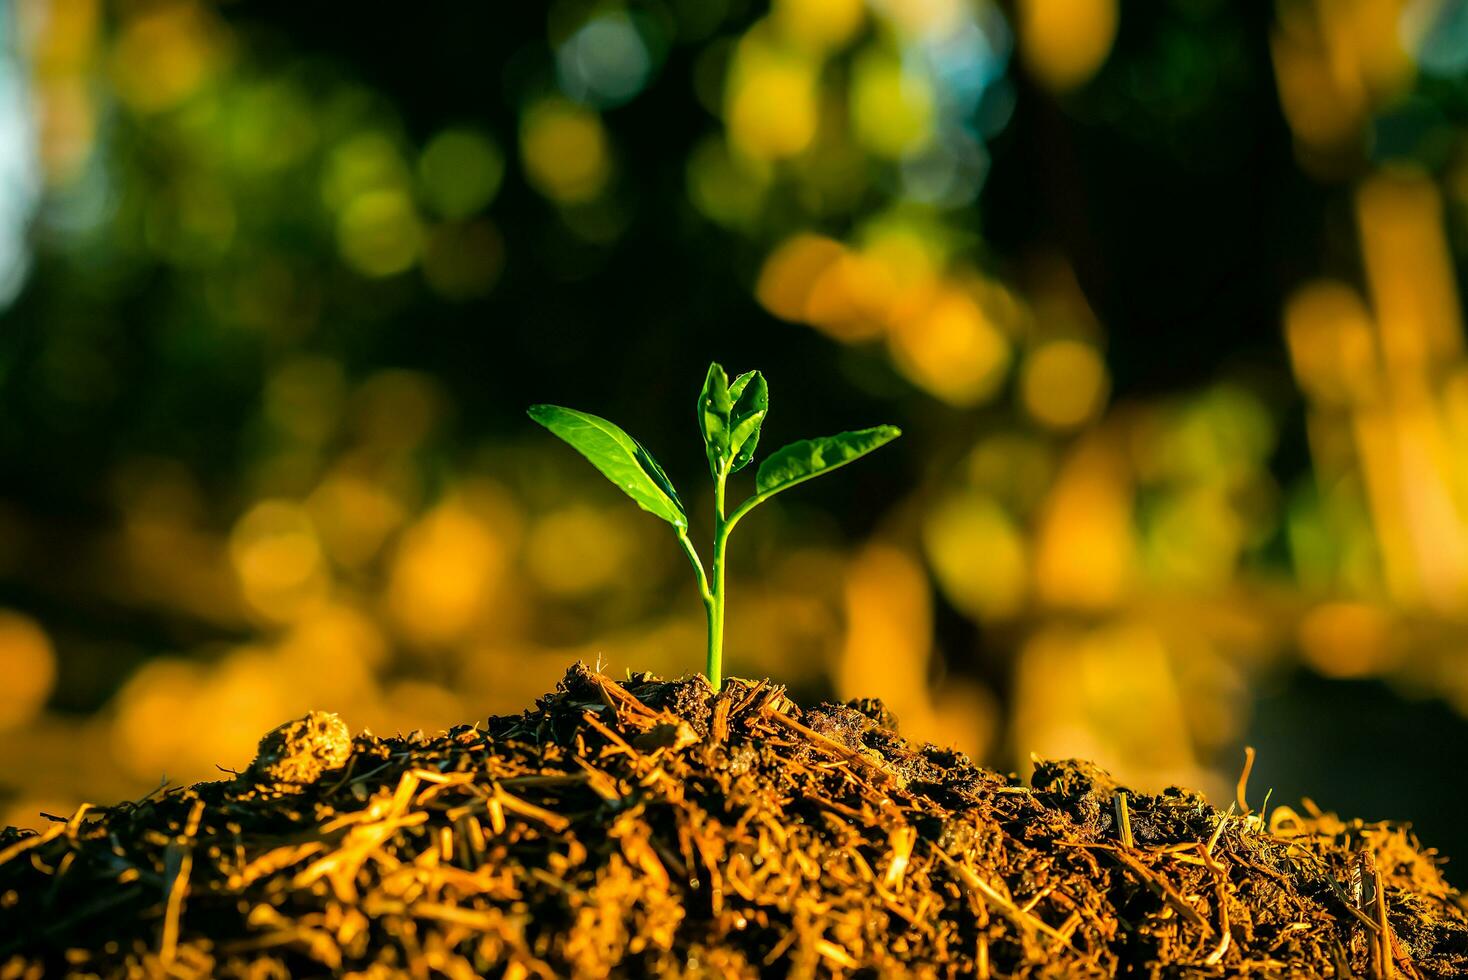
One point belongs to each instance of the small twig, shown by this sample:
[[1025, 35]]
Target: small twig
[[1350, 907], [625, 696], [546, 779], [1384, 933], [749, 698], [1217, 832], [901, 840], [524, 808], [848, 812], [1038, 897], [1124, 820], [611, 736], [1163, 890], [181, 856], [719, 723], [1012, 912], [1220, 892], [829, 744], [1244, 779]]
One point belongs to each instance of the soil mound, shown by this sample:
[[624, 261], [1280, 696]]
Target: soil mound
[[643, 828]]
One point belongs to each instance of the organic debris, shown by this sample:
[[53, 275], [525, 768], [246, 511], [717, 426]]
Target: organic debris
[[650, 828]]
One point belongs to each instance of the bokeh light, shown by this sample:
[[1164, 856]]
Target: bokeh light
[[278, 558], [772, 99], [28, 664], [1064, 383], [891, 106], [565, 151], [1064, 42], [460, 170], [605, 61]]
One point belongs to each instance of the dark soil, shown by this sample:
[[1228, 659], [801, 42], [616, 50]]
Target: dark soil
[[645, 829]]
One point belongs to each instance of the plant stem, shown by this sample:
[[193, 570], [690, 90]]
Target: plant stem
[[692, 553], [715, 666], [750, 504]]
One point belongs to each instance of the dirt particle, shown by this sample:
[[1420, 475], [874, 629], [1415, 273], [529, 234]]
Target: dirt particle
[[299, 752]]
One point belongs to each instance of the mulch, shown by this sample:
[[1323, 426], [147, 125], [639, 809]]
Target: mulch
[[650, 828]]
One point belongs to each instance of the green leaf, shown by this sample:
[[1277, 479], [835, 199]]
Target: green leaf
[[751, 402], [800, 461], [730, 416], [714, 405], [620, 458]]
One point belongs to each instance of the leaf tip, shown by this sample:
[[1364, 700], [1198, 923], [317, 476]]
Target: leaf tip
[[546, 415]]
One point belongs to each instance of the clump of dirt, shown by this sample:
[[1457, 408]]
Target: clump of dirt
[[647, 828], [300, 752]]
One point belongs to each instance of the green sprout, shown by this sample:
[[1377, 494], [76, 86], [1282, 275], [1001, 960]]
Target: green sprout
[[730, 416]]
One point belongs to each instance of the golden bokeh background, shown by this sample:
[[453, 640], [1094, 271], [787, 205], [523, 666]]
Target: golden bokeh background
[[1166, 296]]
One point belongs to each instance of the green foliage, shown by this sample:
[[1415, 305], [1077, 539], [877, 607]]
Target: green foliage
[[620, 458], [729, 416], [809, 458]]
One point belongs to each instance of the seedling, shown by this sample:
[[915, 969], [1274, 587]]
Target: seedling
[[730, 416]]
